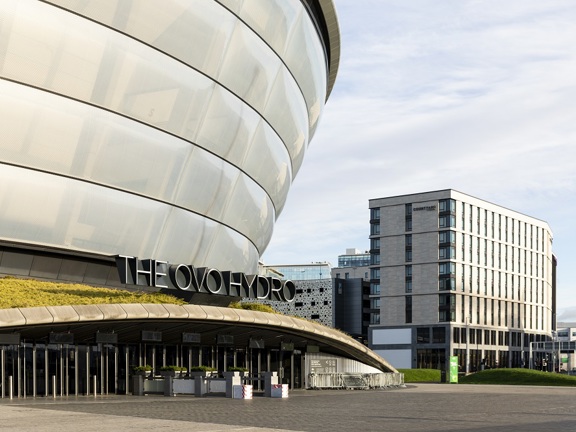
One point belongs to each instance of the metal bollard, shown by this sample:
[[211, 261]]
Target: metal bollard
[[10, 387], [54, 386], [95, 385]]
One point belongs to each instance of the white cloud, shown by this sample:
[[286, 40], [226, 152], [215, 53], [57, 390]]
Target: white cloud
[[472, 95]]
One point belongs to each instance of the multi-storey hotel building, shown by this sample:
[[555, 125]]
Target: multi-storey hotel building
[[459, 276]]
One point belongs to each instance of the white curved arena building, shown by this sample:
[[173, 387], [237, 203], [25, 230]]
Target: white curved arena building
[[156, 129]]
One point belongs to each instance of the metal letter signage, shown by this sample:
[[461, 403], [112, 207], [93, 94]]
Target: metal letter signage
[[182, 277]]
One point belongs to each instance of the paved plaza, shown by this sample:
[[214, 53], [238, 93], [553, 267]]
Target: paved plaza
[[421, 407]]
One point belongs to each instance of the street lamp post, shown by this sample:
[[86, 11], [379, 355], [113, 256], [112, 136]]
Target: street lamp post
[[467, 345]]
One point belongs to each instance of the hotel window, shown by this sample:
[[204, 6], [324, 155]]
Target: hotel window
[[374, 318], [447, 221], [485, 223], [512, 258], [374, 288], [375, 214], [446, 253], [408, 224], [408, 309], [447, 284], [525, 234], [463, 216], [375, 303], [374, 259], [408, 286], [512, 314], [438, 335], [446, 316], [375, 274], [374, 229], [423, 335], [408, 271], [492, 312], [478, 311], [477, 281], [408, 247], [446, 278], [408, 256], [446, 237], [408, 278], [492, 283], [446, 307], [478, 250], [446, 269], [478, 221], [447, 205], [375, 244], [492, 227]]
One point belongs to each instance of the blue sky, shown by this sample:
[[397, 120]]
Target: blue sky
[[473, 95]]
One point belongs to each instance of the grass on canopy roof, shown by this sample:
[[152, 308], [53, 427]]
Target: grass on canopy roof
[[20, 293]]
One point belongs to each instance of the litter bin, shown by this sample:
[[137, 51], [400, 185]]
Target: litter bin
[[443, 376]]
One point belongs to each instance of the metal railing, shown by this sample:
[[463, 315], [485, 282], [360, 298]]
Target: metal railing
[[360, 381]]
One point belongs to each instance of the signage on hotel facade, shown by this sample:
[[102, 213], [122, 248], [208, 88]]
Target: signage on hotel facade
[[425, 208], [187, 278]]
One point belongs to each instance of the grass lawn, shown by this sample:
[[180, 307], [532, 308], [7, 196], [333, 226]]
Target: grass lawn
[[420, 375], [519, 377], [494, 376]]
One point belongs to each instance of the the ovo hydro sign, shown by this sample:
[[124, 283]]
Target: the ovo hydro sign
[[183, 277]]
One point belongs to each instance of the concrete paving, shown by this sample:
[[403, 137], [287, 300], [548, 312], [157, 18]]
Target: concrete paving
[[422, 407]]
